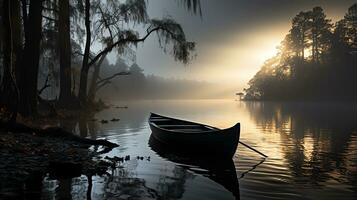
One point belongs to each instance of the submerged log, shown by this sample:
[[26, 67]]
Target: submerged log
[[53, 132]]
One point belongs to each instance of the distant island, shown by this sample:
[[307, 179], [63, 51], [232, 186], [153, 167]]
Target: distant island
[[317, 60]]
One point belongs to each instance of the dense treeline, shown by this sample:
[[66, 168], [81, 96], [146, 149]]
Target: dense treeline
[[138, 85], [317, 60], [51, 41]]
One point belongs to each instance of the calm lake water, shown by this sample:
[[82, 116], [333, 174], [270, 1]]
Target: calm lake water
[[312, 151]]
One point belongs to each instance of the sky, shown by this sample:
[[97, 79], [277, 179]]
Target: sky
[[233, 37]]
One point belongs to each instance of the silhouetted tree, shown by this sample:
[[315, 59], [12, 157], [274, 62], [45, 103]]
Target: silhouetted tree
[[320, 33], [324, 71], [64, 42], [299, 33], [34, 30], [106, 17], [93, 88], [351, 27], [12, 55], [30, 64]]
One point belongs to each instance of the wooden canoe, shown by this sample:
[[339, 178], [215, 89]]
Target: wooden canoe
[[193, 137]]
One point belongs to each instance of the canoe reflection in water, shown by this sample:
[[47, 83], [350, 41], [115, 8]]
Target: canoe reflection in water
[[221, 171]]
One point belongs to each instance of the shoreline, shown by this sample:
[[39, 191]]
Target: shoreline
[[27, 155]]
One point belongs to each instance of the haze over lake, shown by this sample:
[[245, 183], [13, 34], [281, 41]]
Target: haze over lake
[[178, 99], [311, 149]]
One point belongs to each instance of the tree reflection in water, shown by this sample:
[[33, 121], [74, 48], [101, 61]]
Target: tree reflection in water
[[122, 182], [318, 139], [311, 146]]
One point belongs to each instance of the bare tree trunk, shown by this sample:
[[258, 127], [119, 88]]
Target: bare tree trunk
[[65, 52], [20, 72], [7, 45], [12, 38], [11, 19], [17, 34], [303, 44], [82, 94], [93, 86], [30, 64], [317, 49], [313, 43]]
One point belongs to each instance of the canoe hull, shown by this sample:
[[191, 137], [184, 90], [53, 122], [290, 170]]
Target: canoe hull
[[214, 142]]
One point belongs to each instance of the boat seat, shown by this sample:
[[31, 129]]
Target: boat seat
[[159, 120], [190, 130], [179, 125], [156, 118]]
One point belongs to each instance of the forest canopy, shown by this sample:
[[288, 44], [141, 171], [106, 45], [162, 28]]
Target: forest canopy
[[317, 60]]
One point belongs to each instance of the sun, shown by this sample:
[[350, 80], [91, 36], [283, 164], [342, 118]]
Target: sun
[[268, 50]]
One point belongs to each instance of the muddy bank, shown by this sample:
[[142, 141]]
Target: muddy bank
[[27, 155]]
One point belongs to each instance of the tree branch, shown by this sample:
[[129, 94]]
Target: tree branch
[[46, 85], [107, 80], [24, 13], [49, 18], [78, 53], [123, 41], [106, 23]]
